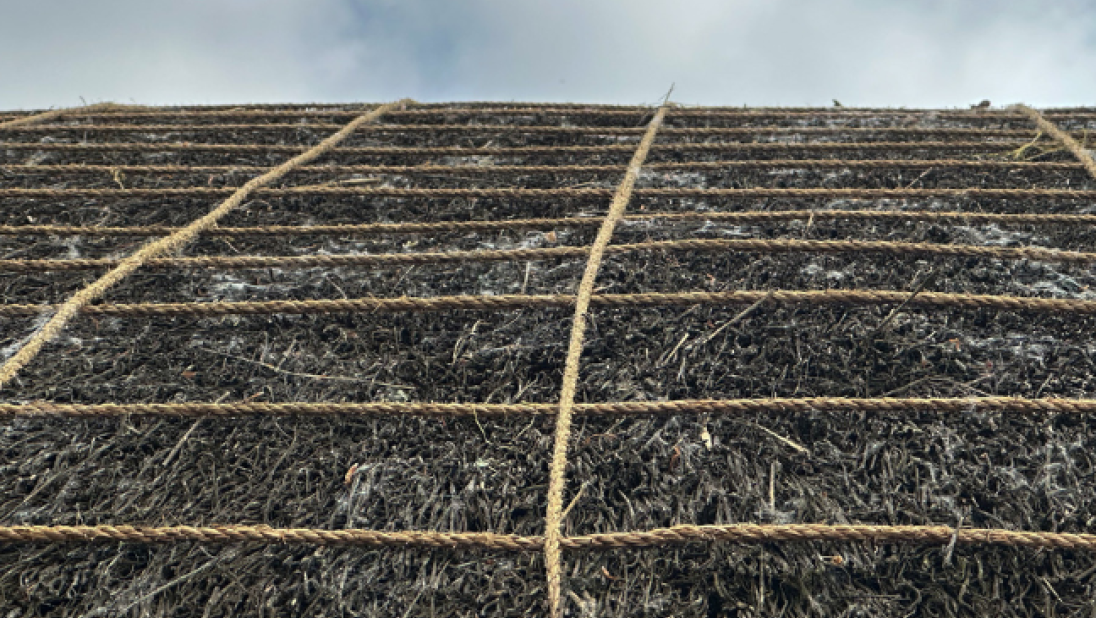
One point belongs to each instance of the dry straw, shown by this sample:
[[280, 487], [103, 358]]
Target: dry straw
[[553, 540]]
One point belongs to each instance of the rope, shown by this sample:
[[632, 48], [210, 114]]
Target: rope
[[756, 533], [558, 470], [557, 169], [518, 224], [955, 405], [1061, 137], [592, 111], [515, 193], [267, 535], [547, 253], [113, 147], [509, 302], [514, 128], [743, 534], [25, 123], [175, 241]]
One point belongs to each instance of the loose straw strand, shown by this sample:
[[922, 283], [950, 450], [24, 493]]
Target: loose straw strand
[[557, 478], [168, 244], [1065, 139]]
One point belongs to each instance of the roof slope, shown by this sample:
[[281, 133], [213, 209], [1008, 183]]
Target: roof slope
[[807, 319]]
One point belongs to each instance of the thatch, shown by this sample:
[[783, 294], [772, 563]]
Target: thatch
[[973, 469]]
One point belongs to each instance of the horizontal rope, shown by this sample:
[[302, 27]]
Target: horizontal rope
[[556, 169], [265, 534], [509, 302], [513, 193], [546, 253], [755, 216], [627, 408], [513, 128], [659, 537], [26, 121], [555, 105], [637, 112], [514, 151], [791, 533]]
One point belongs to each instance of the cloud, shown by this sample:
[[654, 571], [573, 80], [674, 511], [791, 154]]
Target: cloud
[[757, 52]]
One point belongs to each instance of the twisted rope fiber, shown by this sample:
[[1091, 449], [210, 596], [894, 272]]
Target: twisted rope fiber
[[515, 193], [553, 520], [555, 169], [1061, 137], [511, 128], [956, 405], [660, 537], [509, 302], [518, 224], [546, 253], [175, 241], [114, 147]]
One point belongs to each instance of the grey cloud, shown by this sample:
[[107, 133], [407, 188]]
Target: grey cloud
[[758, 52]]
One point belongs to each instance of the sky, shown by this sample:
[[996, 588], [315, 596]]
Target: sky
[[928, 53]]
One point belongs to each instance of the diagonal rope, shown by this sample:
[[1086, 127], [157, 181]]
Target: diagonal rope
[[175, 241], [1065, 139], [557, 478]]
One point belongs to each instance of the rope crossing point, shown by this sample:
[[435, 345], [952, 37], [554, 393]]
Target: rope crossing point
[[558, 470], [1065, 139], [175, 241]]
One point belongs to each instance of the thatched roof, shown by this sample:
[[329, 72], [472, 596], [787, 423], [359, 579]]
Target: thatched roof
[[920, 247]]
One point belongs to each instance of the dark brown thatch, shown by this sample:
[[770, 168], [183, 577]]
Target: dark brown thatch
[[976, 469]]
